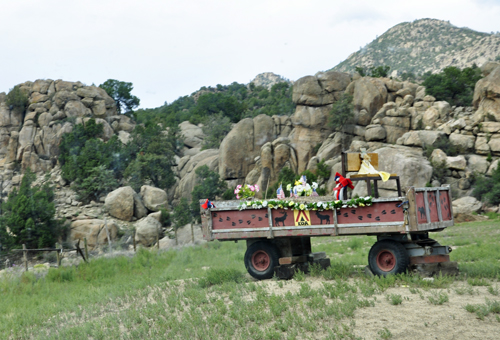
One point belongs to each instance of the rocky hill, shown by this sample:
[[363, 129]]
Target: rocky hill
[[394, 119], [425, 45], [268, 79]]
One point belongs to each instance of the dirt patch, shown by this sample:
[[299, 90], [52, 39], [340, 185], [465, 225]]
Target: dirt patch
[[417, 317]]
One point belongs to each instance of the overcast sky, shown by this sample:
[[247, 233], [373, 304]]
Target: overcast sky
[[170, 48]]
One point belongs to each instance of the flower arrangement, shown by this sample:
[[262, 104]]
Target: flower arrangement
[[246, 191], [302, 188], [294, 205]]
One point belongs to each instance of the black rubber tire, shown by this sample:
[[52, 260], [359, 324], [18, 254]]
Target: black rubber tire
[[388, 257], [264, 249]]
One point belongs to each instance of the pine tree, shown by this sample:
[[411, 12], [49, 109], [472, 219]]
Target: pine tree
[[28, 216]]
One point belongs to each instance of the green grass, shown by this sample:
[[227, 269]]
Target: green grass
[[476, 247], [483, 310], [204, 292]]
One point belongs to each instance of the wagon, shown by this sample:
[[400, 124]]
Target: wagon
[[278, 235]]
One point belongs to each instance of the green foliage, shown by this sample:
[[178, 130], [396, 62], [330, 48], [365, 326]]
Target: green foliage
[[72, 146], [488, 189], [360, 70], [93, 165], [453, 85], [438, 298], [153, 168], [323, 172], [100, 181], [215, 127], [285, 176], [439, 170], [376, 72], [181, 215], [210, 186], [29, 216], [120, 91], [151, 156], [444, 145], [233, 101], [165, 218], [341, 113], [17, 99], [394, 299], [410, 76], [380, 71], [220, 276]]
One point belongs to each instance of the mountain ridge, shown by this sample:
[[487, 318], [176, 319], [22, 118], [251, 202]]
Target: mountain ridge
[[425, 45]]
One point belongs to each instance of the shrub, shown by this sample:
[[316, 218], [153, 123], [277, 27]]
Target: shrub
[[453, 85], [445, 145], [341, 114], [488, 189], [219, 276], [28, 216], [216, 127], [100, 181], [439, 170], [17, 99]]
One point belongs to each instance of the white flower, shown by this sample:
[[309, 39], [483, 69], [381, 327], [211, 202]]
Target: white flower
[[299, 188], [367, 197], [308, 187], [264, 204], [344, 206], [314, 185]]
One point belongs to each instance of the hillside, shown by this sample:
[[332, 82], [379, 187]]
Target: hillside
[[425, 45]]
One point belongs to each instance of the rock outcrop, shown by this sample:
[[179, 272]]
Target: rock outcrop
[[154, 198], [94, 230]]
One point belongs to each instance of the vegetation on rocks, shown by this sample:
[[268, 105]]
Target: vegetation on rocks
[[17, 99], [215, 127], [121, 92], [342, 114], [414, 48], [375, 72], [453, 85], [83, 155], [488, 189], [28, 216], [235, 101]]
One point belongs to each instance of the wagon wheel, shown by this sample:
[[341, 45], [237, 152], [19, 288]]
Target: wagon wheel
[[388, 257], [260, 259]]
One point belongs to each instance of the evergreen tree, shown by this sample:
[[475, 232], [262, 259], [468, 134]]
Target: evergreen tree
[[453, 85], [342, 114], [28, 216], [120, 91]]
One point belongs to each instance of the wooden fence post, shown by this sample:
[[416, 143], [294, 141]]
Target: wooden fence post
[[107, 234], [25, 257], [86, 248], [158, 239], [58, 254]]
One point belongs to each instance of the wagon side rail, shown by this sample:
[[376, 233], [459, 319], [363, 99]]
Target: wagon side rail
[[226, 221], [429, 208]]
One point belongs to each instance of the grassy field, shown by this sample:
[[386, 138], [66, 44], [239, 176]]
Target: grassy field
[[203, 292]]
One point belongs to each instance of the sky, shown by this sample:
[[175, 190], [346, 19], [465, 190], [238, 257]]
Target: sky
[[171, 48]]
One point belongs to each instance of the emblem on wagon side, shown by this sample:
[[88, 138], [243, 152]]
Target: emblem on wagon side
[[302, 217]]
